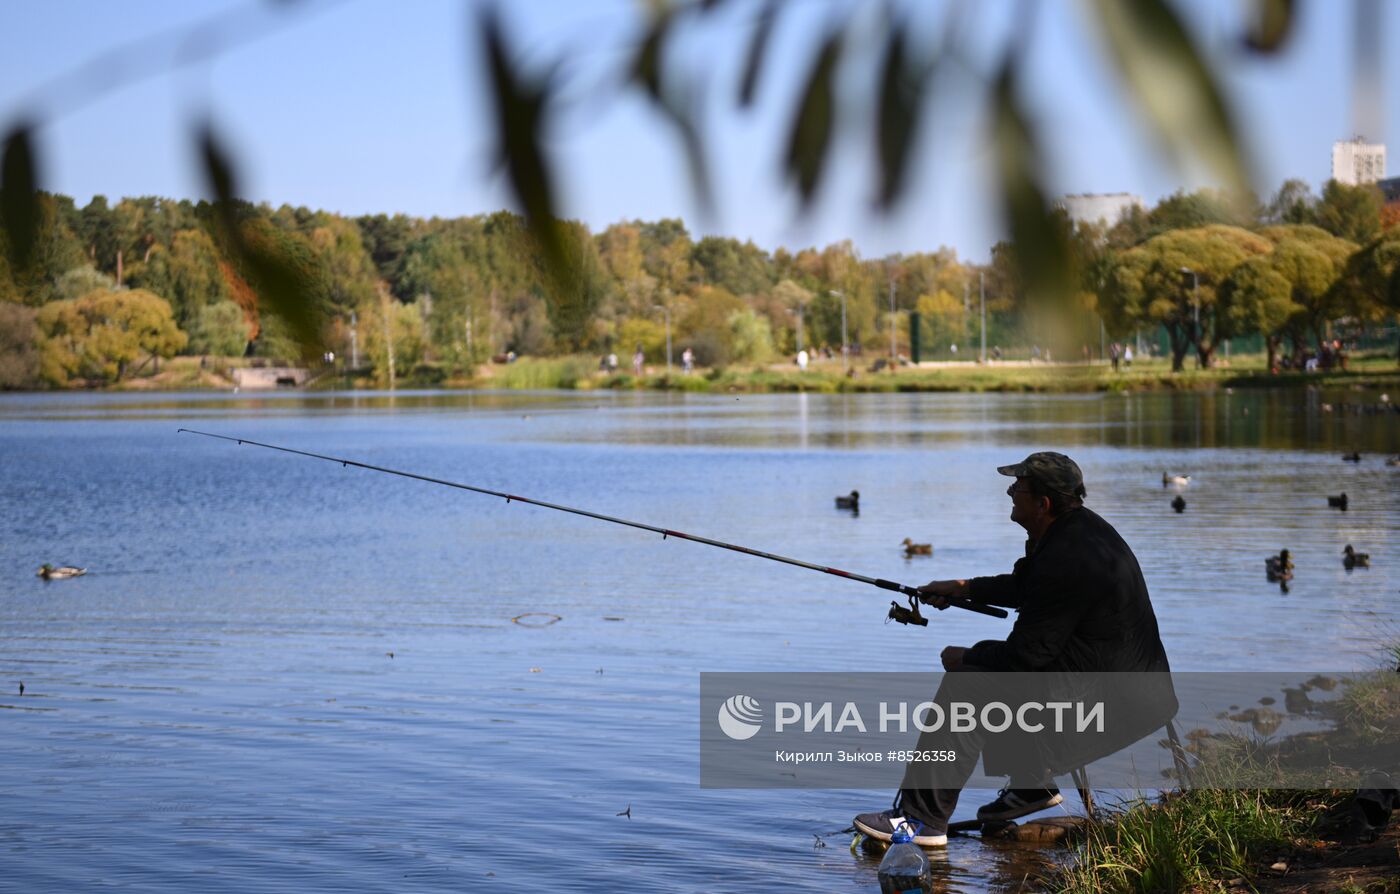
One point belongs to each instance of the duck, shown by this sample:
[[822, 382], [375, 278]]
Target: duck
[[1175, 480], [849, 502], [1353, 559], [1179, 503], [1393, 461], [1339, 502], [1352, 457], [917, 549], [48, 572], [1279, 568]]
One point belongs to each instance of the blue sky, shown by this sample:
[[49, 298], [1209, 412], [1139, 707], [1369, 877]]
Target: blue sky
[[367, 106]]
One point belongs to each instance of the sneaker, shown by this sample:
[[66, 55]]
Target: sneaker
[[1014, 802], [881, 826]]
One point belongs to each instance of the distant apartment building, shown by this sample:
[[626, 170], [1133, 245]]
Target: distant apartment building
[[1106, 207], [1356, 161]]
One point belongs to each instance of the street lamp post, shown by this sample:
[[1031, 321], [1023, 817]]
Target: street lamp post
[[1195, 310], [982, 297], [798, 313], [667, 311], [845, 349]]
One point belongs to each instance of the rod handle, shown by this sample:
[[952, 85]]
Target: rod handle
[[957, 601]]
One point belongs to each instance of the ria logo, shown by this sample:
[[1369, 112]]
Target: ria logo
[[740, 717]]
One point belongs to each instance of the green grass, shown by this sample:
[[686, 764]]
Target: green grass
[[538, 373], [1194, 840], [1190, 840], [580, 372]]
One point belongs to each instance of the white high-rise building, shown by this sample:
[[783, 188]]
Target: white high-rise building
[[1106, 207], [1356, 161]]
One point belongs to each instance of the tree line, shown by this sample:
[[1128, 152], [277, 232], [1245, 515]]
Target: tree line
[[111, 288]]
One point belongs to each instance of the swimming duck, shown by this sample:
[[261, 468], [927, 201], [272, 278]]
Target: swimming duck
[[1179, 503], [1339, 502], [1279, 568], [1352, 457], [48, 572], [1175, 480], [850, 502], [1353, 559], [1393, 461], [917, 549]]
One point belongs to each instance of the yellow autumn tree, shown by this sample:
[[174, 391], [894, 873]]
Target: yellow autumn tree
[[99, 335]]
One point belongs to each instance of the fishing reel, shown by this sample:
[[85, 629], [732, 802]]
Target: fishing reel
[[908, 615]]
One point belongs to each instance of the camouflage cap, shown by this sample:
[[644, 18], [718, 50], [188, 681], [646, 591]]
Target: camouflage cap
[[1054, 470]]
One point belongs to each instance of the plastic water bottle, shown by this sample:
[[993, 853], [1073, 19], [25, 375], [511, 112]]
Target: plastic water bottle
[[905, 869]]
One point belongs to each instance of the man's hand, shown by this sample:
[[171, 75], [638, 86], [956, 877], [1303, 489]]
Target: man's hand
[[953, 657], [935, 593]]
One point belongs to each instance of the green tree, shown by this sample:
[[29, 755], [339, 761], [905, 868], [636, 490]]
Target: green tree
[[943, 319], [220, 329], [352, 277], [1186, 211], [56, 251], [1294, 203], [750, 337], [739, 267], [1350, 212], [1311, 261], [1369, 287], [705, 325], [188, 273], [79, 281], [100, 334], [577, 294], [789, 301], [386, 238], [1171, 280], [1255, 298]]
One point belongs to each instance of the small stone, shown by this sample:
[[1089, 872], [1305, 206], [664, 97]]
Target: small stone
[[1280, 866]]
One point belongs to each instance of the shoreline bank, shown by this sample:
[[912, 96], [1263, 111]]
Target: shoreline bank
[[580, 374]]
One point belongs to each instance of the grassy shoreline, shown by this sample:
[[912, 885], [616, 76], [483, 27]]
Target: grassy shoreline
[[1272, 840], [1375, 370]]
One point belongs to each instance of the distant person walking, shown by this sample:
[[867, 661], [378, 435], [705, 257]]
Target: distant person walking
[[687, 360], [1128, 356], [1113, 355], [802, 360], [638, 359]]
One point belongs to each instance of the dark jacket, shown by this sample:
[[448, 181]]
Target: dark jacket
[[1083, 620], [1081, 604]]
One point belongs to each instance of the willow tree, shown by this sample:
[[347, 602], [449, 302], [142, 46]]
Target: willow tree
[[100, 334]]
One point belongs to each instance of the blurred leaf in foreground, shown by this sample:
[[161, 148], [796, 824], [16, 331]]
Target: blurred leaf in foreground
[[520, 107], [810, 136], [1273, 22], [1172, 85], [19, 201], [1041, 249], [287, 287]]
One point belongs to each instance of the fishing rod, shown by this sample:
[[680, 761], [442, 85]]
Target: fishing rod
[[898, 612]]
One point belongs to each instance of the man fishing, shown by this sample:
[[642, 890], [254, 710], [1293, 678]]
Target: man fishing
[[1082, 606]]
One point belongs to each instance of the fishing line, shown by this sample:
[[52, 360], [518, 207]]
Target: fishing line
[[903, 615]]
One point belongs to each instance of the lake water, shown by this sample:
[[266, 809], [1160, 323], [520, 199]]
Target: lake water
[[280, 674]]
